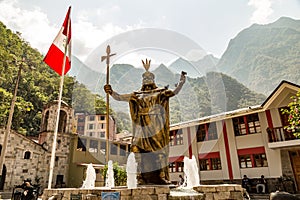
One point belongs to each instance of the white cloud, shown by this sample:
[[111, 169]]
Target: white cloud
[[262, 11], [37, 29], [34, 25], [87, 37], [134, 59], [104, 13]]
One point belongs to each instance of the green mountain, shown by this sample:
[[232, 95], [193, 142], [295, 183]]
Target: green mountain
[[84, 75], [207, 64], [261, 56], [195, 68]]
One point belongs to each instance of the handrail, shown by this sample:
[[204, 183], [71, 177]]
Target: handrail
[[279, 134]]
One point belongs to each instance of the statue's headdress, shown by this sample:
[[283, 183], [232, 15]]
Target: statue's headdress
[[148, 77]]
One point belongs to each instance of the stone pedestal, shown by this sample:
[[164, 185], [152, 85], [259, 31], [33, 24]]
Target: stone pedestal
[[224, 191], [155, 192], [145, 193]]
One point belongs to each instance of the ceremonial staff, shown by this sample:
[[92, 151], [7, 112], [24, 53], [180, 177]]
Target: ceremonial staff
[[107, 58]]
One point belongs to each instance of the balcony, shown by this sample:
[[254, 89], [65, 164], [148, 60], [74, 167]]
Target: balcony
[[280, 138]]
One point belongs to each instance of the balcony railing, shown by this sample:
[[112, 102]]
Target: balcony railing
[[279, 134]]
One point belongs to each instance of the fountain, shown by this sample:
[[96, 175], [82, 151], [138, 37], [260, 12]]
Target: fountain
[[191, 180], [89, 182], [131, 170], [191, 172], [110, 181]]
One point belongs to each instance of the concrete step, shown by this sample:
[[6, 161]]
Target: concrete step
[[5, 195], [254, 196]]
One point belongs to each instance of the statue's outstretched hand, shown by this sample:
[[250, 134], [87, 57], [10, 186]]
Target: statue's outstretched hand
[[108, 89], [181, 82], [183, 77]]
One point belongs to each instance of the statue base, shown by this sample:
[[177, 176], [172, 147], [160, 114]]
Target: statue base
[[160, 192]]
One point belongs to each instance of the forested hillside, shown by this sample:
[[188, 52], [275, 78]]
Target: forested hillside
[[38, 85], [261, 56]]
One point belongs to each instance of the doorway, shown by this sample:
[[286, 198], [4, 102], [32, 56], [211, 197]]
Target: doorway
[[295, 159], [2, 178]]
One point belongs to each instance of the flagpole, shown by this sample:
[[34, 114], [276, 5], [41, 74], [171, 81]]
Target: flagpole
[[52, 161]]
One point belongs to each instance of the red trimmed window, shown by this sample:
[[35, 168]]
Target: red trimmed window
[[252, 157], [210, 161], [172, 167], [176, 137], [247, 124], [176, 164], [207, 132]]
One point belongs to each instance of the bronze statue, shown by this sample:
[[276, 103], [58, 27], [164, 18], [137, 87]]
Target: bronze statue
[[149, 110]]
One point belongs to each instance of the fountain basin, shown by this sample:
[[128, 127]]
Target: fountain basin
[[141, 192], [185, 194], [155, 192]]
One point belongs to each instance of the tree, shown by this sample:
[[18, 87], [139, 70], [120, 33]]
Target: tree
[[293, 112]]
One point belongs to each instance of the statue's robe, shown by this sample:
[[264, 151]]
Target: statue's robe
[[150, 120], [151, 124], [149, 112]]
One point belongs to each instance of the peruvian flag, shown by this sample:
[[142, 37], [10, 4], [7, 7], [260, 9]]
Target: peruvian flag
[[60, 50]]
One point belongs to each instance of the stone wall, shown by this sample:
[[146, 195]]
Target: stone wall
[[203, 192], [225, 191], [17, 167], [37, 165], [140, 193]]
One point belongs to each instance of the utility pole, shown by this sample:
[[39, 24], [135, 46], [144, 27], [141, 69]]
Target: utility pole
[[10, 116]]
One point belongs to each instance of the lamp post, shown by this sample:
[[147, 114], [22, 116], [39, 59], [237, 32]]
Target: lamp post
[[10, 116]]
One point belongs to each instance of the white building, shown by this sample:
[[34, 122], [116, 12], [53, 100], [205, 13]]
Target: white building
[[248, 141], [94, 125]]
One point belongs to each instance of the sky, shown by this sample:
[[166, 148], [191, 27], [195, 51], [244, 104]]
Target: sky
[[210, 24]]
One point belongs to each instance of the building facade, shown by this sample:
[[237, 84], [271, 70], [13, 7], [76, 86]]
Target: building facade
[[250, 141], [94, 125], [29, 159]]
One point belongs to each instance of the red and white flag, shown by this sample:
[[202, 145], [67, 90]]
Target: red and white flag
[[58, 49]]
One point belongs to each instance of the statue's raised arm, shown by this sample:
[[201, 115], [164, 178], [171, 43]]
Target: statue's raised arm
[[181, 82]]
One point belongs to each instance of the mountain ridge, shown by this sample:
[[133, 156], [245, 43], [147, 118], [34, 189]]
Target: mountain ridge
[[264, 55]]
